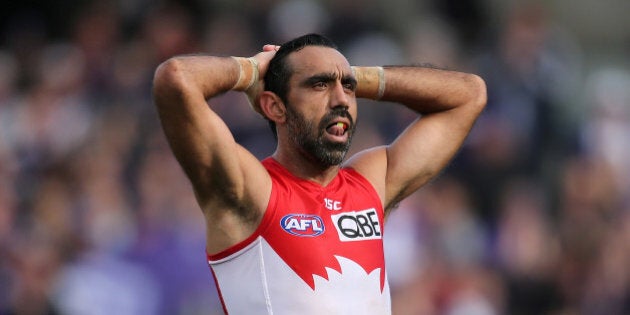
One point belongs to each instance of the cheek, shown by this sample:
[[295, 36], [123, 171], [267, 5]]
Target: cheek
[[310, 113], [299, 121]]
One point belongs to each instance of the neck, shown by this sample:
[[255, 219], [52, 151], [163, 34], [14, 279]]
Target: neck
[[305, 167]]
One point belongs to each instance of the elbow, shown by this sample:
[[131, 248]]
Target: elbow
[[169, 79], [478, 93]]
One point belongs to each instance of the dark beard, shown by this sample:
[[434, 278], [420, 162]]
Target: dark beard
[[311, 139]]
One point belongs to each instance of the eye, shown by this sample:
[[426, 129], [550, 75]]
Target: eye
[[349, 84], [320, 85]]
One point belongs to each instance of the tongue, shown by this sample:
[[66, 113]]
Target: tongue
[[336, 130]]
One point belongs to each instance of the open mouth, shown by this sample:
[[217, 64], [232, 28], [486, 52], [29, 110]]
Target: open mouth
[[337, 129]]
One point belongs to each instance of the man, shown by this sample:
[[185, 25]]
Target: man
[[301, 232]]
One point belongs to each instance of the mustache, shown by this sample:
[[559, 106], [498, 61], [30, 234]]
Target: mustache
[[336, 113]]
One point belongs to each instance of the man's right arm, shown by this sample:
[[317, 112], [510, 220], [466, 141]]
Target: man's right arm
[[231, 185]]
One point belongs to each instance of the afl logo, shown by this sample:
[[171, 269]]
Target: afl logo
[[302, 224]]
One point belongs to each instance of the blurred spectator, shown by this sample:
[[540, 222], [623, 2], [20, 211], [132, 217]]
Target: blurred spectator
[[431, 40], [170, 29], [522, 127], [597, 193], [532, 217], [589, 229], [96, 33], [292, 18], [527, 250], [469, 18], [34, 262], [607, 130], [171, 239]]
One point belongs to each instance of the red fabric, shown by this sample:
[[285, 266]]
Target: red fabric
[[309, 256]]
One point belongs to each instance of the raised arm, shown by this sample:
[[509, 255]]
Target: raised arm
[[448, 102], [231, 186]]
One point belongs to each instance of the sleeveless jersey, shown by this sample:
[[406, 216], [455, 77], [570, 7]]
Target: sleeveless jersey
[[317, 250]]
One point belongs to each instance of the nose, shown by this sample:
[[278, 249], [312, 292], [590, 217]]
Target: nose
[[339, 96]]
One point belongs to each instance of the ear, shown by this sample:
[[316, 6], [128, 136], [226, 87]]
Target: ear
[[272, 107]]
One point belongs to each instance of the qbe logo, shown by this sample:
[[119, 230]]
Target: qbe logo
[[357, 225], [302, 224]]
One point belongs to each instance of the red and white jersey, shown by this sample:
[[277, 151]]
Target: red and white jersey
[[318, 250]]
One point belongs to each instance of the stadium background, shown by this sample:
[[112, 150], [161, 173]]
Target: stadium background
[[532, 217]]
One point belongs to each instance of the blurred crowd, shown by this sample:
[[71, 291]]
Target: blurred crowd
[[96, 217]]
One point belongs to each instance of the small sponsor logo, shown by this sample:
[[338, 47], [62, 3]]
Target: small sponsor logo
[[358, 225], [302, 224], [332, 204]]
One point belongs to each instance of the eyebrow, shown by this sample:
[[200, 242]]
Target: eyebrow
[[320, 77], [329, 77]]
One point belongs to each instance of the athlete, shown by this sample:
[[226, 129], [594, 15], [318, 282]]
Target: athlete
[[301, 231]]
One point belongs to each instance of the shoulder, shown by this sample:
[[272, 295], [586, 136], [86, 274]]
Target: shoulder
[[372, 165]]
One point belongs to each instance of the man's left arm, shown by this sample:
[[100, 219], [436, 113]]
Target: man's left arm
[[449, 102]]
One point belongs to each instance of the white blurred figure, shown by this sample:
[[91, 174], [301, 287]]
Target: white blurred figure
[[470, 302], [101, 282], [55, 117], [104, 285], [404, 250], [607, 130], [8, 161], [374, 48]]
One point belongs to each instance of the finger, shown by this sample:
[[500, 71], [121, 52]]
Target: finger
[[270, 47]]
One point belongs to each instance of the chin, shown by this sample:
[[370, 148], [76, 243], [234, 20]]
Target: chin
[[331, 158]]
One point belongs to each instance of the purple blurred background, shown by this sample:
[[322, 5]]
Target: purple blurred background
[[532, 217]]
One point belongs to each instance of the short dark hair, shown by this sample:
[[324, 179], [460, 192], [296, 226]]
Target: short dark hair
[[279, 71]]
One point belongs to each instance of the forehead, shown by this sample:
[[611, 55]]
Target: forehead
[[317, 59]]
